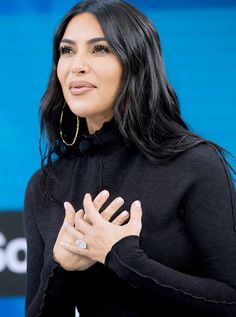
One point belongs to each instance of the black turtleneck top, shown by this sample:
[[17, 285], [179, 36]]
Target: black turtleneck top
[[183, 263]]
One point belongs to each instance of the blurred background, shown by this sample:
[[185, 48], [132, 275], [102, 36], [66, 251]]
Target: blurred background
[[199, 47]]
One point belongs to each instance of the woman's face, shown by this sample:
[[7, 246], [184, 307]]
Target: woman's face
[[89, 72]]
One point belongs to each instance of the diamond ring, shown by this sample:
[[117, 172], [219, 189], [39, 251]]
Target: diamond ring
[[81, 244]]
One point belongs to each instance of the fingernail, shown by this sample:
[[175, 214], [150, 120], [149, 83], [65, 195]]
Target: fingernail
[[66, 205], [137, 203], [87, 195], [125, 213], [119, 200], [80, 214], [105, 193]]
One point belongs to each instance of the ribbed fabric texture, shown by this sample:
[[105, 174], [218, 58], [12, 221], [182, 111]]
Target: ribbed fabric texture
[[185, 259]]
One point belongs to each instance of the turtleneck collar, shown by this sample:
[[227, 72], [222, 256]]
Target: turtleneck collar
[[106, 140]]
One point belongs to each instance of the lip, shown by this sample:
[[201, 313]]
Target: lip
[[79, 91], [80, 87]]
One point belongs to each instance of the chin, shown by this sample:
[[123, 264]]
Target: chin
[[83, 110]]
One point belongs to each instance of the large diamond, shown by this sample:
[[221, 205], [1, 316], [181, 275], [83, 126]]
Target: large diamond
[[81, 244]]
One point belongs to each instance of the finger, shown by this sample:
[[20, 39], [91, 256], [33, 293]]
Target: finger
[[136, 217], [121, 218], [69, 213], [74, 249], [79, 215], [92, 213], [72, 232], [86, 218], [100, 199], [81, 224], [112, 208]]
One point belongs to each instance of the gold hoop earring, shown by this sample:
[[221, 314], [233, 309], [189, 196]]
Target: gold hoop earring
[[61, 133]]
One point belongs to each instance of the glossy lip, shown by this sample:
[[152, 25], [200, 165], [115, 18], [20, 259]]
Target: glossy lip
[[80, 87], [80, 91], [79, 84]]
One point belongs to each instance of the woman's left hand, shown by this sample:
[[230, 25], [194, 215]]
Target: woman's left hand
[[100, 235]]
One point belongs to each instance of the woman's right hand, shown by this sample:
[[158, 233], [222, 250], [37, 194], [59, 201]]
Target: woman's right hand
[[68, 232]]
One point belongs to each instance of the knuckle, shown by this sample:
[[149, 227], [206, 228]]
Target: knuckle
[[76, 222], [105, 214], [77, 217], [96, 202], [119, 222], [92, 235], [98, 199], [86, 217]]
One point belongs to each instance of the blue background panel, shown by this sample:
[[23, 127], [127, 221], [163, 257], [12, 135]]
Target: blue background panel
[[43, 6], [199, 47], [12, 306]]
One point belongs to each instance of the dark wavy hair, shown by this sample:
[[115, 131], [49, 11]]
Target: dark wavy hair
[[146, 110]]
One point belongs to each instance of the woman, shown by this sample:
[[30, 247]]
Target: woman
[[148, 222]]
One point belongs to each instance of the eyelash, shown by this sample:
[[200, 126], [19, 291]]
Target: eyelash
[[67, 49], [101, 47]]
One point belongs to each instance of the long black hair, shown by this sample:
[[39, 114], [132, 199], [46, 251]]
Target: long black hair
[[146, 109]]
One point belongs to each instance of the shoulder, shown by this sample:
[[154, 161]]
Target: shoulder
[[34, 180], [203, 156], [57, 166], [33, 186], [41, 183], [205, 160]]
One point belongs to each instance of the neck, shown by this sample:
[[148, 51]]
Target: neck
[[95, 123]]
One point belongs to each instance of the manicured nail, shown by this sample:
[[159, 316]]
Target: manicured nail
[[125, 213], [66, 205], [105, 193], [137, 203], [119, 200]]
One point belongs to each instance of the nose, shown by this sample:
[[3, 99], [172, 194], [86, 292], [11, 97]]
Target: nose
[[80, 65]]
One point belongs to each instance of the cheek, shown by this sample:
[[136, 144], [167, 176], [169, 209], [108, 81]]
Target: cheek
[[59, 75], [112, 76], [115, 80], [61, 71]]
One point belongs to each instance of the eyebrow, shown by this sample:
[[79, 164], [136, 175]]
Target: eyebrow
[[93, 40]]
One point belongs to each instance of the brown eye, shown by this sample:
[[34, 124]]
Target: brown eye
[[101, 49], [65, 50]]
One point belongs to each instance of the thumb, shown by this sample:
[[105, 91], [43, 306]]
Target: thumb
[[69, 213], [135, 217]]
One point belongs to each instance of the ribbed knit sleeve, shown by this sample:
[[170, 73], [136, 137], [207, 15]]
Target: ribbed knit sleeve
[[45, 279], [209, 220]]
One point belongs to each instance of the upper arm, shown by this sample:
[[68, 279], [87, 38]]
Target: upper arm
[[35, 246], [49, 288], [210, 218]]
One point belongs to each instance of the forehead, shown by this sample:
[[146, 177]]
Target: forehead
[[83, 26]]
